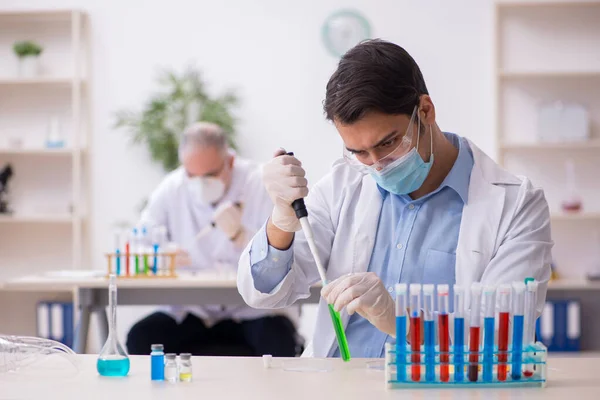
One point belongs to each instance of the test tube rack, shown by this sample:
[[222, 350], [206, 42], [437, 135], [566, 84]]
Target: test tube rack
[[165, 269], [400, 370]]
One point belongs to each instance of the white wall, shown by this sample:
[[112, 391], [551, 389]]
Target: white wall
[[271, 51]]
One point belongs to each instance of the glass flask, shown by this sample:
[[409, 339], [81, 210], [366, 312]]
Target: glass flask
[[113, 359]]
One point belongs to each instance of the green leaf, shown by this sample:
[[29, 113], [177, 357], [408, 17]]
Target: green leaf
[[164, 115]]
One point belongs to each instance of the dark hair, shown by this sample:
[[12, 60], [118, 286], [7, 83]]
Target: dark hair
[[375, 75]]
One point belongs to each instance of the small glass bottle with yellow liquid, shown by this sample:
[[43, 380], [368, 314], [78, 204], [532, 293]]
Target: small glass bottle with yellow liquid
[[185, 367]]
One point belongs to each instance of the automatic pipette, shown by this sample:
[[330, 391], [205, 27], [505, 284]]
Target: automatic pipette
[[429, 332], [302, 215], [401, 291]]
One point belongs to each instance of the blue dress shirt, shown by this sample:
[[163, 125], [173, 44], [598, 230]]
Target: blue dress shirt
[[415, 242]]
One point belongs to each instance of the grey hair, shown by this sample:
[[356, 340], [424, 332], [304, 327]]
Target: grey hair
[[204, 134]]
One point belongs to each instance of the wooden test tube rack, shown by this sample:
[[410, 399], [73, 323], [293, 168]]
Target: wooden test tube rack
[[166, 262]]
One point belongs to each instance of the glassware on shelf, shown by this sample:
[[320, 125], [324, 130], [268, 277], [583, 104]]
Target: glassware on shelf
[[572, 201], [113, 359]]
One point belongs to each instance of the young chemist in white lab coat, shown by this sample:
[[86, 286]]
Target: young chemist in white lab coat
[[212, 185], [407, 203]]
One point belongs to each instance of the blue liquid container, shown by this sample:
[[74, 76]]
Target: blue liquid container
[[429, 335], [459, 349], [401, 348], [517, 350], [488, 349], [118, 366], [157, 363]]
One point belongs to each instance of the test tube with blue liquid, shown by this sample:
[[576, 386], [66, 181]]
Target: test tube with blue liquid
[[489, 310], [459, 333], [401, 304], [518, 300], [118, 252], [429, 332], [529, 329], [159, 234]]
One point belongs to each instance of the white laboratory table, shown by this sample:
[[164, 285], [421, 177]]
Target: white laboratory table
[[247, 379], [91, 294]]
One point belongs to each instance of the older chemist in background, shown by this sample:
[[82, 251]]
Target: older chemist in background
[[211, 206]]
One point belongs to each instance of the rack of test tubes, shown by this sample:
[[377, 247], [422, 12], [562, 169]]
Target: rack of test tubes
[[434, 355], [142, 253]]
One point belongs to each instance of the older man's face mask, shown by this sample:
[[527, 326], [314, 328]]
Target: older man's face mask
[[208, 173]]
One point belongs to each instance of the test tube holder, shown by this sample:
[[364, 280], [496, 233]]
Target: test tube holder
[[535, 354], [167, 259]]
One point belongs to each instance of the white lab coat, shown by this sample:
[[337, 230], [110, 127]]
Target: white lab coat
[[504, 237], [173, 206]]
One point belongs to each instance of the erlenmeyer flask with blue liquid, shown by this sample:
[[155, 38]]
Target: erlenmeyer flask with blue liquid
[[113, 359]]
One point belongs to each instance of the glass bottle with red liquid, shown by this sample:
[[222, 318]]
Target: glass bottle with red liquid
[[415, 331], [474, 332], [444, 331], [503, 322]]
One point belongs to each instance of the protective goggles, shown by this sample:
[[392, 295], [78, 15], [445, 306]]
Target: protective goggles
[[400, 146]]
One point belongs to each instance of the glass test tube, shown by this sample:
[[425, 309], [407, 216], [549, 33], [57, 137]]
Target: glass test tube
[[158, 241], [459, 333], [530, 314], [143, 246], [518, 316], [474, 331], [429, 332], [118, 252], [503, 316], [489, 303], [135, 243], [443, 331], [415, 330], [401, 304]]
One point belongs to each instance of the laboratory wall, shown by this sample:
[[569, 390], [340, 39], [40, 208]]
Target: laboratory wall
[[271, 53]]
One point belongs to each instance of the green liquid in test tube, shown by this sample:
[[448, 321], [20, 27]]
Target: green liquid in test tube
[[339, 333]]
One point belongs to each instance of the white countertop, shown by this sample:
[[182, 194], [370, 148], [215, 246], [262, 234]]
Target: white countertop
[[246, 379]]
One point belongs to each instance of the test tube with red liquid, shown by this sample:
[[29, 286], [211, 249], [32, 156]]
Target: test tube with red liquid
[[444, 331], [415, 331], [474, 332], [503, 294]]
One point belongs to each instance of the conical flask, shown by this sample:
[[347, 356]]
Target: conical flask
[[113, 359]]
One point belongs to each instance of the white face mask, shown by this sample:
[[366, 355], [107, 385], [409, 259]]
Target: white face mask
[[208, 190]]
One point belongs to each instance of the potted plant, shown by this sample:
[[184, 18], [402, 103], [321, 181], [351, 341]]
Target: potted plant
[[182, 101], [28, 53]]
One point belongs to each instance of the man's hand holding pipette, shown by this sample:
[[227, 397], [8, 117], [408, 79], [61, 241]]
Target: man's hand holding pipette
[[284, 180], [365, 294]]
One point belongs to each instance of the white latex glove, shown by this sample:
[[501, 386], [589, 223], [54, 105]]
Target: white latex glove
[[365, 294], [228, 218], [284, 180]]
